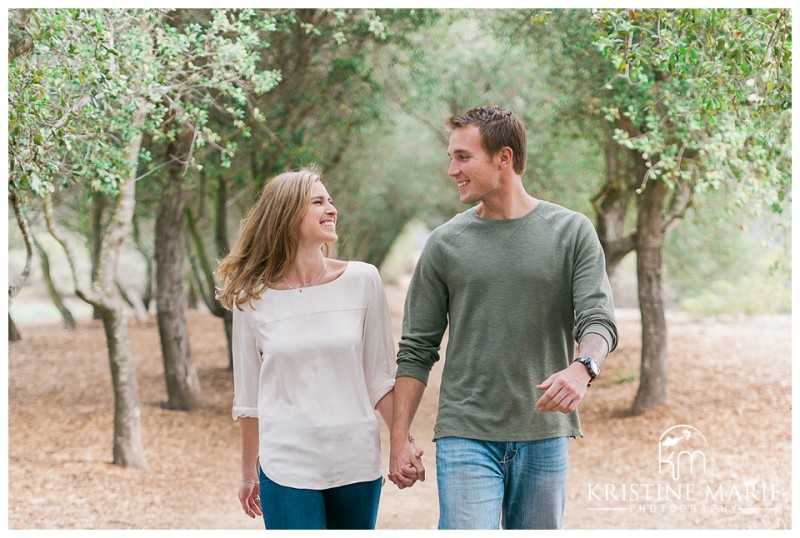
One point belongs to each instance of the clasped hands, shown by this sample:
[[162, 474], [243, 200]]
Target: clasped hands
[[564, 390], [405, 464]]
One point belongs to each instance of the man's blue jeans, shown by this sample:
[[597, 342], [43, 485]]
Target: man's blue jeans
[[354, 506], [480, 482]]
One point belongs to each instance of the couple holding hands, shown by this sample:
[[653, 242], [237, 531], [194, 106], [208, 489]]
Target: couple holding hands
[[518, 281]]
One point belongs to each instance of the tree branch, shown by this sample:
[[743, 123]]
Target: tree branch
[[681, 201], [86, 294], [30, 248], [203, 274]]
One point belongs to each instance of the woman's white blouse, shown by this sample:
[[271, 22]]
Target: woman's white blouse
[[311, 365]]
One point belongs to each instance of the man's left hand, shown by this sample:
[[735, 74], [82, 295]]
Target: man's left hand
[[564, 389]]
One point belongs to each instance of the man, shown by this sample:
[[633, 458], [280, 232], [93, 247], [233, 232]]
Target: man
[[517, 279]]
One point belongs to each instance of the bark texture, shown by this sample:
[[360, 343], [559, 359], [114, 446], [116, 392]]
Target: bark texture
[[654, 365], [183, 383]]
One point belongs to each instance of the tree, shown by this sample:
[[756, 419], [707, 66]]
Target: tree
[[206, 61], [703, 97], [693, 99], [69, 107]]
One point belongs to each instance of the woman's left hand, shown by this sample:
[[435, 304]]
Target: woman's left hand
[[249, 499]]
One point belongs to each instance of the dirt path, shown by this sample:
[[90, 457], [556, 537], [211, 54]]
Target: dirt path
[[730, 382]]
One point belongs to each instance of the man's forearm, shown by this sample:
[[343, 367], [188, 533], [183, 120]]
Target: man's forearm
[[407, 396], [594, 346]]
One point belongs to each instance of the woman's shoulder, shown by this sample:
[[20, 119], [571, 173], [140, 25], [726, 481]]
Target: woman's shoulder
[[350, 271], [357, 267]]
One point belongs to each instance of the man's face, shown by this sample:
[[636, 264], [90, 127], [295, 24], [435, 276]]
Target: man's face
[[476, 173]]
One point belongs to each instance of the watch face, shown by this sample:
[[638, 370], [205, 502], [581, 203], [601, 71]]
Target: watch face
[[591, 366]]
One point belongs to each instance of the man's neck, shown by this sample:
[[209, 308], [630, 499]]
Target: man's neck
[[513, 204]]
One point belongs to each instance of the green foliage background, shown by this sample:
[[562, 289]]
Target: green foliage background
[[365, 94]]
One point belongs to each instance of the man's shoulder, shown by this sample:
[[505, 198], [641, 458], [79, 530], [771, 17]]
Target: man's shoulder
[[455, 225], [551, 208], [561, 216]]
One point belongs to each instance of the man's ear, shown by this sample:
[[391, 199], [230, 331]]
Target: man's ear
[[505, 156]]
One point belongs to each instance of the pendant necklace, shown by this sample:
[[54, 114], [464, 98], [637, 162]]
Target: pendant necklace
[[300, 288]]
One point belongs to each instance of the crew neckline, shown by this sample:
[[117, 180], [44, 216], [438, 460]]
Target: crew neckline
[[300, 290], [474, 213]]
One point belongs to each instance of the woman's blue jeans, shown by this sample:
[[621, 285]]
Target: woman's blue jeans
[[483, 484], [354, 506]]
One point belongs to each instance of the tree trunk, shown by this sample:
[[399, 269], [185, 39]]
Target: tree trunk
[[30, 247], [201, 277], [52, 291], [98, 207], [147, 295], [150, 276], [611, 204], [13, 332], [128, 450], [183, 384], [227, 321], [27, 236], [191, 294], [127, 444], [223, 246], [204, 274], [653, 379], [131, 296]]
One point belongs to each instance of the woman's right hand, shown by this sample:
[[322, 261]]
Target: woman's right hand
[[249, 498]]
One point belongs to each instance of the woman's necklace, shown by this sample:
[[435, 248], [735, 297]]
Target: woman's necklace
[[300, 288]]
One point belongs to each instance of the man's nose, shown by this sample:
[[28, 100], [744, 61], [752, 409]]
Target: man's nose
[[453, 170]]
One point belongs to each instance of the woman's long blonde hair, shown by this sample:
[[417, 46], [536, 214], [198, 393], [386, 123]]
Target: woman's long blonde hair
[[268, 237]]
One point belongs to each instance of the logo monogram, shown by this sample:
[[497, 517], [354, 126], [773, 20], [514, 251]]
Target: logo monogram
[[680, 450]]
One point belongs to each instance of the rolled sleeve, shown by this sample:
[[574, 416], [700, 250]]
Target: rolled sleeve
[[246, 367], [601, 324]]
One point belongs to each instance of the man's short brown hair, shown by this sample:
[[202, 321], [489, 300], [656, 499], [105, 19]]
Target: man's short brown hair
[[498, 127]]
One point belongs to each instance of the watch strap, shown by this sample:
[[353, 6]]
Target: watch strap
[[591, 367]]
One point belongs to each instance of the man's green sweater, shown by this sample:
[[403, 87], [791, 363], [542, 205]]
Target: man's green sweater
[[516, 292]]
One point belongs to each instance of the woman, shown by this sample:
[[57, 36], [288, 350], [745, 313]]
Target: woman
[[313, 357]]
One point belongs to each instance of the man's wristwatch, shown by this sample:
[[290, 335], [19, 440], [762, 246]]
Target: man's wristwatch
[[591, 366]]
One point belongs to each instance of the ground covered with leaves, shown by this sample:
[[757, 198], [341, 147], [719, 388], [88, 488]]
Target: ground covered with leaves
[[729, 388]]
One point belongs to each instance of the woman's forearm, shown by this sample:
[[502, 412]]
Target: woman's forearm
[[249, 430]]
